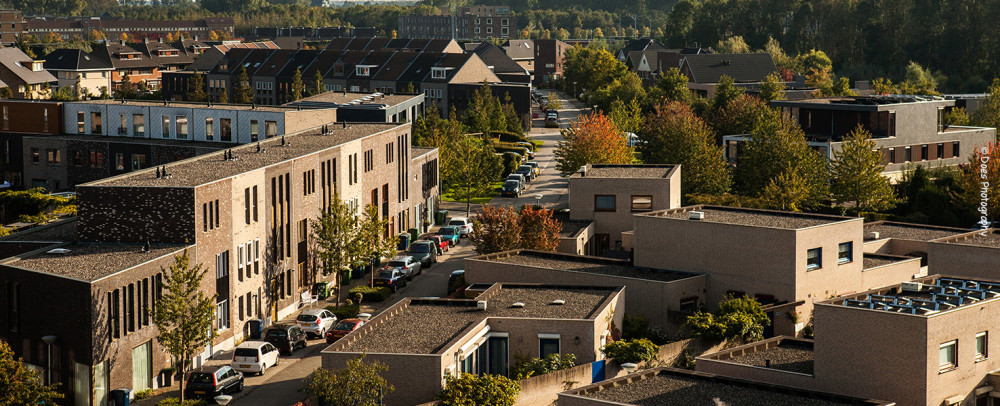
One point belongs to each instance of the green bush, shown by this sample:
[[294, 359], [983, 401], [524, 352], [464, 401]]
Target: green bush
[[485, 389], [625, 351], [376, 294], [522, 151], [526, 368], [737, 317], [510, 163], [506, 136], [177, 402], [344, 312], [143, 394], [638, 327]]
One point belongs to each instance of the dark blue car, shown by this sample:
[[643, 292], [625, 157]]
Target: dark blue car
[[391, 278]]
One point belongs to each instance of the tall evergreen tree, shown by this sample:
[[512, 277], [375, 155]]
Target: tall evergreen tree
[[126, 89], [297, 86], [317, 83], [856, 174], [242, 92], [183, 314], [223, 97], [196, 87]]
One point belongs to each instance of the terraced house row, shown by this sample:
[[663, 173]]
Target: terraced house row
[[241, 213]]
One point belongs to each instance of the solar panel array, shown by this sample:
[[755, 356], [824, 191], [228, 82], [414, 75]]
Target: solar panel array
[[927, 299]]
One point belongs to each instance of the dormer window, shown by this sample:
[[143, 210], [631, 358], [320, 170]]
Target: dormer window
[[364, 70], [440, 73], [37, 66]]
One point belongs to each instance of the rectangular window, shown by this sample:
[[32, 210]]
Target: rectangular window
[[256, 257], [138, 161], [239, 262], [940, 150], [982, 345], [254, 131], [96, 126], [246, 204], [81, 125], [138, 125], [120, 161], [814, 258], [954, 150], [892, 155], [6, 119], [204, 217], [642, 203], [908, 155], [255, 203], [270, 129], [209, 129], [604, 202], [923, 152], [182, 127], [36, 155], [947, 355], [249, 264], [54, 156], [222, 264], [548, 344], [13, 319], [217, 213], [226, 129], [222, 314], [165, 128], [845, 252], [241, 308]]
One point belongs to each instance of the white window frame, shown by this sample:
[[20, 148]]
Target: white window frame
[[947, 366], [985, 353]]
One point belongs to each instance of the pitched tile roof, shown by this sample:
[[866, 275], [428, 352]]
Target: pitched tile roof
[[708, 68], [12, 58], [74, 59]]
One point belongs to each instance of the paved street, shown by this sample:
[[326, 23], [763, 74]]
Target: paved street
[[281, 384]]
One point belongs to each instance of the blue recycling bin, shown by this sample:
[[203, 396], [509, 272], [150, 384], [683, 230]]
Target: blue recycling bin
[[120, 396]]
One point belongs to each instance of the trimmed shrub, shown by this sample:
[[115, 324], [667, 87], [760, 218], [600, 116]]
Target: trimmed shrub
[[526, 368], [510, 162], [177, 402], [345, 311], [376, 294], [625, 351], [485, 389]]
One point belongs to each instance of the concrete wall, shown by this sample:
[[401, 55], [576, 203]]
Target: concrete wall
[[543, 390], [577, 243], [416, 377], [956, 258], [896, 272]]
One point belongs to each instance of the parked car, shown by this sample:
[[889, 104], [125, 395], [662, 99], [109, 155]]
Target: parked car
[[518, 177], [407, 264], [462, 224], [534, 165], [456, 281], [442, 243], [551, 121], [525, 170], [316, 321], [392, 278], [342, 329], [511, 188], [528, 146], [425, 252], [287, 337], [631, 139], [209, 382], [450, 233], [254, 357]]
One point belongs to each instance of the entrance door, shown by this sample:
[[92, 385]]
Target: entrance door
[[498, 355], [769, 329], [81, 384], [142, 367], [101, 383]]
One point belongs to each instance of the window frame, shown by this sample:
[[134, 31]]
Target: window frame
[[549, 338], [984, 354], [953, 364], [850, 253], [614, 203], [642, 209], [819, 259]]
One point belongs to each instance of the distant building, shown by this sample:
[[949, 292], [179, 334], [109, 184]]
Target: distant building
[[69, 27], [705, 70], [549, 57], [467, 23], [79, 70], [505, 67], [11, 26]]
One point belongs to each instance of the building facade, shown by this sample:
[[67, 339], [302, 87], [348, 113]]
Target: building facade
[[467, 23]]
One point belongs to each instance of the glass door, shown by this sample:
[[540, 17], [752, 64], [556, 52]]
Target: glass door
[[498, 355], [101, 383], [81, 384], [142, 367]]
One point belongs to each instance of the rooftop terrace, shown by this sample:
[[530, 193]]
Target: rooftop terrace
[[908, 231], [674, 387], [211, 167], [595, 265], [925, 296], [752, 217], [989, 239], [626, 171], [91, 261], [426, 326], [355, 99], [190, 105]]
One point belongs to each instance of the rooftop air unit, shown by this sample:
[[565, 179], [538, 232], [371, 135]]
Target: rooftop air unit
[[874, 235], [558, 302], [911, 286], [696, 215], [481, 305], [58, 251]]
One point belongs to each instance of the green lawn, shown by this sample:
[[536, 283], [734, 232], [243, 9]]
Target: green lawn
[[448, 196], [538, 144]]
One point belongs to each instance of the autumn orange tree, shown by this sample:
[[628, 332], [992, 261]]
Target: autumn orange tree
[[495, 229], [981, 176], [539, 231], [591, 139], [675, 135]]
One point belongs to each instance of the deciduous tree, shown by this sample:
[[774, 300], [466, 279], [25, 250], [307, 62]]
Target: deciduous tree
[[674, 85], [980, 181], [918, 80], [591, 139], [988, 114], [675, 135], [773, 88], [183, 314], [539, 230], [471, 169], [126, 89], [336, 233], [496, 229], [778, 157], [627, 117], [357, 384], [736, 317], [373, 241], [856, 174], [725, 91], [20, 385]]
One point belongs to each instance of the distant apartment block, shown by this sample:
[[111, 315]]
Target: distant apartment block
[[425, 341], [11, 26], [242, 213], [467, 23], [549, 57], [907, 129], [68, 28], [922, 342]]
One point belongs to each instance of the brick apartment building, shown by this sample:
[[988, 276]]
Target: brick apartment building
[[19, 118], [245, 219], [69, 27], [11, 26], [907, 129], [924, 342], [424, 341], [549, 57], [467, 23]]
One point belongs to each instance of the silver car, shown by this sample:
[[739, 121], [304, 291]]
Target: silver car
[[316, 322], [409, 266]]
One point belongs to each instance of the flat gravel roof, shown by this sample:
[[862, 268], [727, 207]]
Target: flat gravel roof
[[211, 167], [786, 356], [588, 265], [907, 231], [423, 327], [753, 217], [626, 171], [990, 239], [93, 261]]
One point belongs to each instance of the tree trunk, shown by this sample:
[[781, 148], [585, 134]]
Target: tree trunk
[[182, 368]]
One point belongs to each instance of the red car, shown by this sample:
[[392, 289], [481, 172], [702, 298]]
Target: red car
[[342, 329], [441, 242]]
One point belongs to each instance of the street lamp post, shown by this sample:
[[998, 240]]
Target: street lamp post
[[574, 89], [48, 371]]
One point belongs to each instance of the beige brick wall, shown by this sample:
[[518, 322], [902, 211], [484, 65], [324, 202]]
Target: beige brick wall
[[664, 191]]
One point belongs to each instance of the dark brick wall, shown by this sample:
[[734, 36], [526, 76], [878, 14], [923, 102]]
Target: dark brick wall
[[129, 214], [81, 171]]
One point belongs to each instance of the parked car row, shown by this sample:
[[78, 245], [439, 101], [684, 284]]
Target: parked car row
[[551, 119]]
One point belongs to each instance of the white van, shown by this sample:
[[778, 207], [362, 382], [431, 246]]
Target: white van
[[254, 356]]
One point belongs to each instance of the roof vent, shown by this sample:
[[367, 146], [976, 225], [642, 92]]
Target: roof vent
[[481, 305], [874, 235], [518, 304], [558, 302], [911, 286], [58, 251], [696, 215]]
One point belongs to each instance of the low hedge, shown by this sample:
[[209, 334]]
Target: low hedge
[[507, 136], [345, 311], [522, 151], [376, 294], [177, 402]]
